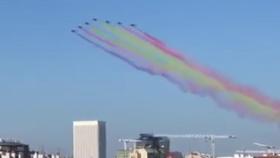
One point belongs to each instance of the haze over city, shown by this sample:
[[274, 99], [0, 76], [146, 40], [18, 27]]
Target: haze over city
[[50, 78]]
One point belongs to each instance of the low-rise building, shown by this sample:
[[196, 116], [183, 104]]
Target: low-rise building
[[13, 149], [44, 155], [147, 146]]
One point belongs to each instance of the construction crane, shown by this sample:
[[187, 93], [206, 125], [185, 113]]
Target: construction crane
[[257, 152], [251, 152], [264, 146], [208, 137], [269, 148], [126, 141]]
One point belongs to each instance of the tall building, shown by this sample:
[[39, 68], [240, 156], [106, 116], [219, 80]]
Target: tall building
[[89, 139]]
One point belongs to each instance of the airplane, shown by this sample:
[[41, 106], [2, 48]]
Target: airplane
[[133, 25]]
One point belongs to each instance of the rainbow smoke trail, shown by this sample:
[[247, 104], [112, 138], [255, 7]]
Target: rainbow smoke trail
[[147, 53]]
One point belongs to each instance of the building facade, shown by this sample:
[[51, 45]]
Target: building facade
[[13, 149], [147, 146], [89, 139], [156, 146]]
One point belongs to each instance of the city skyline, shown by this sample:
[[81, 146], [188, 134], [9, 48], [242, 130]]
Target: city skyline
[[51, 78]]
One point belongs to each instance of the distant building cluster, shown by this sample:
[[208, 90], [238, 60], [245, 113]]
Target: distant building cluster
[[89, 141], [14, 149], [44, 155], [149, 146]]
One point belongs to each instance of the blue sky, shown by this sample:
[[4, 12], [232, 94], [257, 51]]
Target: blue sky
[[49, 77]]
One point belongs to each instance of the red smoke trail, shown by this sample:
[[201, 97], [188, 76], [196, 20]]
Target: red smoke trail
[[250, 92]]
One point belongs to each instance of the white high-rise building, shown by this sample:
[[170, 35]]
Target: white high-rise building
[[89, 139]]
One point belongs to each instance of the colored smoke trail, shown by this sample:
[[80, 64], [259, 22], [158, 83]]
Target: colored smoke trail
[[147, 53]]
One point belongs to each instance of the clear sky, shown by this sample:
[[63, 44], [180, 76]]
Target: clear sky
[[50, 77]]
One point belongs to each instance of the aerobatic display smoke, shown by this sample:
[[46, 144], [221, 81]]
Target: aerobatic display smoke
[[147, 53]]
